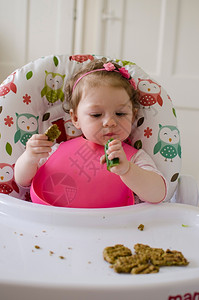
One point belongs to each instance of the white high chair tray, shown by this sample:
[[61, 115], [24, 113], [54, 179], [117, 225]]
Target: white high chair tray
[[69, 263]]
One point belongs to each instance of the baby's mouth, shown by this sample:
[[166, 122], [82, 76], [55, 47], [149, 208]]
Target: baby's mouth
[[110, 134]]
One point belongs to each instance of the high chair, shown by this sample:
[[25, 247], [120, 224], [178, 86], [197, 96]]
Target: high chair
[[49, 252], [31, 100]]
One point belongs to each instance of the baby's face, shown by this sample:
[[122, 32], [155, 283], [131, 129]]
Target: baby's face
[[104, 112]]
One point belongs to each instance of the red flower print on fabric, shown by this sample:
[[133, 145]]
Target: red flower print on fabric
[[9, 121], [148, 132], [27, 99]]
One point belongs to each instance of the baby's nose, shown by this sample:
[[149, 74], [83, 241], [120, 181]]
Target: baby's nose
[[109, 122]]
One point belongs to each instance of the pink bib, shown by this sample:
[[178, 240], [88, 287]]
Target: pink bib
[[74, 177]]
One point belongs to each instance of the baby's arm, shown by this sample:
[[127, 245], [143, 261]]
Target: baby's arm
[[148, 185], [26, 166]]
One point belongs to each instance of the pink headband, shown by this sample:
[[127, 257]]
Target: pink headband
[[110, 67]]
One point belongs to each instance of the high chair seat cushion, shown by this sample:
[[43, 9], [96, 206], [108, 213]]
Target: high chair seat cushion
[[31, 100]]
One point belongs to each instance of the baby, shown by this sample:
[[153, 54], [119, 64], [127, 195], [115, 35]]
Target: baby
[[103, 102]]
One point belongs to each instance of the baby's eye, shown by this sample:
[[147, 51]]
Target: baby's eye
[[120, 114], [96, 115]]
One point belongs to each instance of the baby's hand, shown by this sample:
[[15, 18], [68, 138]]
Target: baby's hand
[[38, 147], [115, 149]]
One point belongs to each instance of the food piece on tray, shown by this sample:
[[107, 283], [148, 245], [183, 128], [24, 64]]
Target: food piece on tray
[[169, 258], [145, 260], [159, 257], [141, 227], [112, 253], [145, 269], [125, 264]]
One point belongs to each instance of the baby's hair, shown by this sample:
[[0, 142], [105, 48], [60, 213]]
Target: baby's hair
[[96, 79]]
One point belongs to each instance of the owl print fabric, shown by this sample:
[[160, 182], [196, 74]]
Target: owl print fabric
[[31, 100], [156, 131]]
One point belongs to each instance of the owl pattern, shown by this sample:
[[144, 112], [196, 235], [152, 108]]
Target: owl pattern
[[8, 85], [149, 92], [71, 130], [168, 142], [52, 90], [7, 183], [27, 125]]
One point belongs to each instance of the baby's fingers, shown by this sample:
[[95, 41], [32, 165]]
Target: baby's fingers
[[39, 140], [102, 159], [38, 137], [116, 154], [115, 145]]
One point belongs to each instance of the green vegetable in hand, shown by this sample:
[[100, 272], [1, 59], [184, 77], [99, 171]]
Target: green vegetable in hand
[[113, 162]]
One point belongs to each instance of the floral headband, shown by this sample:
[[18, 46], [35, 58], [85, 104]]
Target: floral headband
[[109, 67]]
